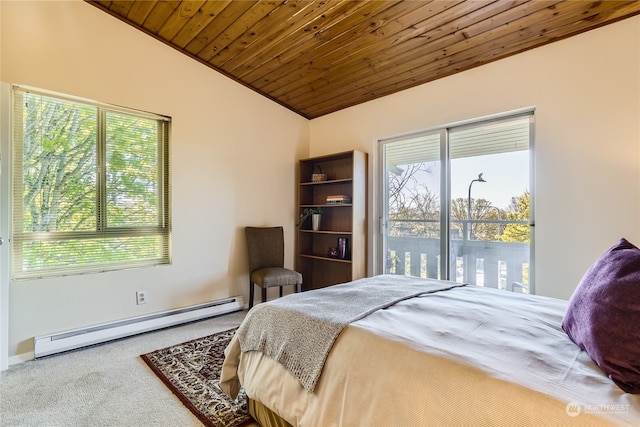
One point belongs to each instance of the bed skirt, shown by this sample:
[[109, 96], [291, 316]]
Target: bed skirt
[[265, 416]]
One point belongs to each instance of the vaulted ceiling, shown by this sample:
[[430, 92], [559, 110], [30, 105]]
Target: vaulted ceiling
[[318, 57]]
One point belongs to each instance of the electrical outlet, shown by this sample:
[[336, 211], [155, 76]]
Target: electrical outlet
[[141, 297]]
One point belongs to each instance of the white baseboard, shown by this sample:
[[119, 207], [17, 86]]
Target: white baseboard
[[21, 358], [97, 334]]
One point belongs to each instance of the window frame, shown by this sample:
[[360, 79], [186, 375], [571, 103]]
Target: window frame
[[161, 229]]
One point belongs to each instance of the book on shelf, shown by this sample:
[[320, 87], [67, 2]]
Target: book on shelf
[[338, 199]]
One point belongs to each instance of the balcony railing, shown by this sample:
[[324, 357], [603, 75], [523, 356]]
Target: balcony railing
[[496, 264]]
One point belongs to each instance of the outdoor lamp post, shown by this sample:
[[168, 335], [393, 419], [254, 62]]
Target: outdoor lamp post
[[479, 179]]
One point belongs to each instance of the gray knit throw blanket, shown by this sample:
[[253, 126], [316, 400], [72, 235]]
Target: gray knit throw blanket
[[299, 330]]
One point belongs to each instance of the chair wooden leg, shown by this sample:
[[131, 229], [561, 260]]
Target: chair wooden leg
[[264, 294], [251, 285], [280, 291]]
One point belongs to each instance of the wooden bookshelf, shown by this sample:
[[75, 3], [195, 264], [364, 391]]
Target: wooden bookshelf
[[346, 175]]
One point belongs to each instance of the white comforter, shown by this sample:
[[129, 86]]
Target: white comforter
[[468, 356]]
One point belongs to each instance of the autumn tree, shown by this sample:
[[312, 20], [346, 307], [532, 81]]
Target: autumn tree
[[413, 206], [415, 210], [519, 210], [481, 209]]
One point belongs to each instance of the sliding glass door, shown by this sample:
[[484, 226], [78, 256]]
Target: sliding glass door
[[457, 204], [413, 195]]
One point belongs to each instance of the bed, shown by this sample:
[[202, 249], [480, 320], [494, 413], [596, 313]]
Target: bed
[[432, 353]]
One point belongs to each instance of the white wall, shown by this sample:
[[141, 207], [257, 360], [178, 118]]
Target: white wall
[[233, 162], [234, 152], [586, 91]]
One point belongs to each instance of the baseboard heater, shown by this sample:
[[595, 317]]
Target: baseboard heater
[[78, 338]]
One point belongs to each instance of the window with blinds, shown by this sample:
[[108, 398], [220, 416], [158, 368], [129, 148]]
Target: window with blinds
[[90, 186]]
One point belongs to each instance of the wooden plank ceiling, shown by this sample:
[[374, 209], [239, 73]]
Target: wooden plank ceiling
[[317, 57]]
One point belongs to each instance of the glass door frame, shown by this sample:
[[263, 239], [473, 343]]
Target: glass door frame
[[5, 190], [383, 208], [381, 190]]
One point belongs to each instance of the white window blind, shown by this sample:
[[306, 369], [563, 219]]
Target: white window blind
[[90, 186], [489, 137], [493, 137]]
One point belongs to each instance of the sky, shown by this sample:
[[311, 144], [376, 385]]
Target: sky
[[506, 176]]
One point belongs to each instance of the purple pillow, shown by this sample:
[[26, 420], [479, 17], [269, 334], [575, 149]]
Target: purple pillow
[[603, 316]]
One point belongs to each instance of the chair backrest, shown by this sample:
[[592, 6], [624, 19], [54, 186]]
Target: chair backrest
[[266, 247]]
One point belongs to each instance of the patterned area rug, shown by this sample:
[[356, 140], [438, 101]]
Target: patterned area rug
[[192, 371]]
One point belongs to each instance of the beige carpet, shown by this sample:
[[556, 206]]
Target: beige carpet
[[105, 385]]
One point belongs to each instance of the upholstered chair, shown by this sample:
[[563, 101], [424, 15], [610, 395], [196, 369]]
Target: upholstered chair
[[266, 261]]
